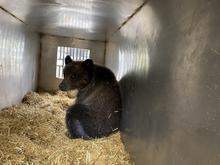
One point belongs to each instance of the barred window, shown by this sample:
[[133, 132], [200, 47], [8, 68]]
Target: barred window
[[77, 54]]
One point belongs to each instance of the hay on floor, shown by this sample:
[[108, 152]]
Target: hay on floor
[[33, 132]]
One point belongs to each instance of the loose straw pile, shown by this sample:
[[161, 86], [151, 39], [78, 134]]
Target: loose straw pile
[[33, 132]]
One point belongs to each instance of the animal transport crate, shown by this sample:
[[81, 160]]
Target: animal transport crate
[[164, 54]]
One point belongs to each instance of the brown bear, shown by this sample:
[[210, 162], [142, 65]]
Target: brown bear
[[97, 110]]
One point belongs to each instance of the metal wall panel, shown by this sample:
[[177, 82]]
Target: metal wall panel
[[49, 44], [167, 58], [18, 60], [88, 19]]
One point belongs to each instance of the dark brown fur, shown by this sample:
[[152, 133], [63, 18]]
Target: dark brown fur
[[97, 110]]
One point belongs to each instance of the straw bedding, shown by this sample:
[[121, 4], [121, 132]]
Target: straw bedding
[[33, 132]]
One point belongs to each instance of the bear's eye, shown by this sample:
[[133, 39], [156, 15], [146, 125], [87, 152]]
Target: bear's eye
[[74, 76]]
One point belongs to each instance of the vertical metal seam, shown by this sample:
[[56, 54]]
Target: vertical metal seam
[[105, 51], [39, 62]]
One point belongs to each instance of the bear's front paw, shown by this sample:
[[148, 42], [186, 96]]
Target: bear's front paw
[[68, 135], [86, 138]]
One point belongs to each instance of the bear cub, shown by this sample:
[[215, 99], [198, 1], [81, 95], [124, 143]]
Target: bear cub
[[97, 110]]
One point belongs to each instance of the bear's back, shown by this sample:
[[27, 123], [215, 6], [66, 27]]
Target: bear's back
[[102, 86], [102, 98], [103, 74]]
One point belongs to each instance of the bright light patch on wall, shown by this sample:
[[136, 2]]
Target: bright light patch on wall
[[71, 18], [139, 44], [77, 54]]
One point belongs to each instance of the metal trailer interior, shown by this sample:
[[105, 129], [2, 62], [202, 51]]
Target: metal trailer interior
[[165, 54]]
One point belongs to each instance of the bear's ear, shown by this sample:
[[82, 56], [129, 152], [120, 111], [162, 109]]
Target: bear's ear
[[88, 64], [68, 60]]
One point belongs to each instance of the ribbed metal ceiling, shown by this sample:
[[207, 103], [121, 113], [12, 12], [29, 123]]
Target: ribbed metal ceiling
[[88, 19]]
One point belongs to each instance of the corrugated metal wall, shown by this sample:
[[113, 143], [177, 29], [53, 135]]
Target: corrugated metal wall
[[167, 58], [48, 80], [19, 49]]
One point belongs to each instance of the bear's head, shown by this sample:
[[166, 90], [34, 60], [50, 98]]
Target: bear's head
[[77, 75]]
